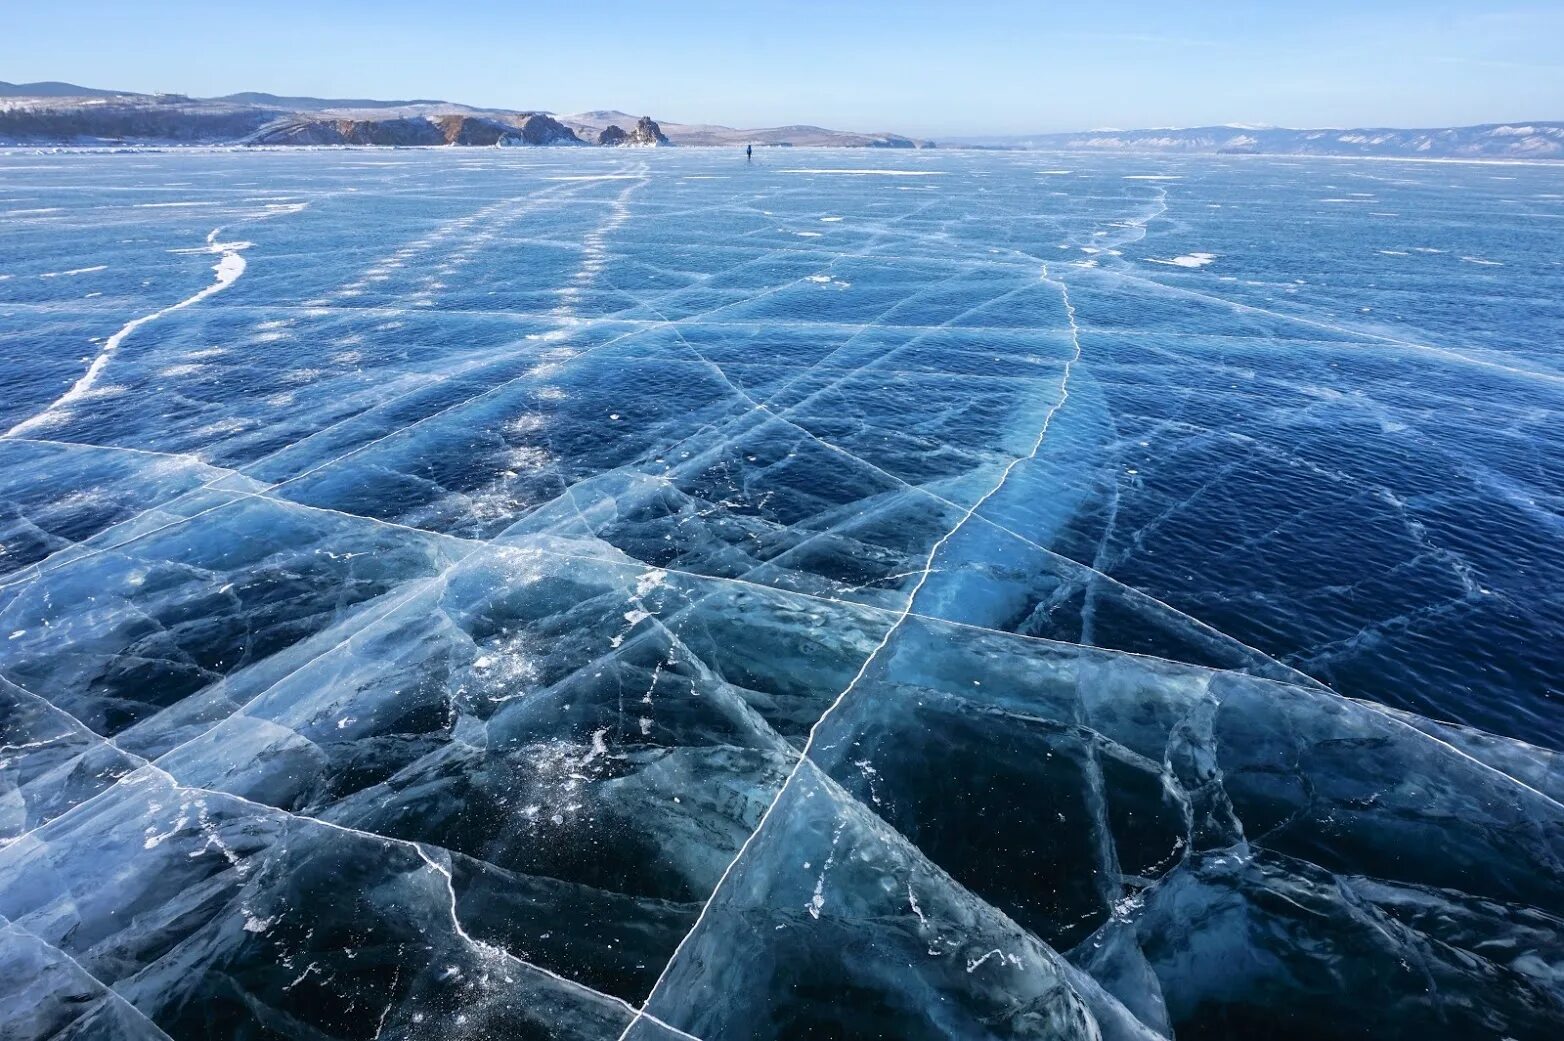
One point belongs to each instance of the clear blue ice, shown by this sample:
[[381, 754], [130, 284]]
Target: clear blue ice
[[547, 593]]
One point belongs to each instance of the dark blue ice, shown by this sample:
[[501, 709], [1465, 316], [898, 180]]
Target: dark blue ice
[[549, 594]]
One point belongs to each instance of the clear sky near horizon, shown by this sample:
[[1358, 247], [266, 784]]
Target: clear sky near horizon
[[985, 67]]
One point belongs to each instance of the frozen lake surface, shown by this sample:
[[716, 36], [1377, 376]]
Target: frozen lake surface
[[606, 594]]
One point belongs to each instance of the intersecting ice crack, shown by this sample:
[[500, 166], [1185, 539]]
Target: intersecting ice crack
[[421, 852], [1098, 569], [421, 849], [1075, 333], [909, 612], [803, 757], [39, 566]]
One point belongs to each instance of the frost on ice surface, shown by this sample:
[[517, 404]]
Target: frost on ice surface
[[461, 597]]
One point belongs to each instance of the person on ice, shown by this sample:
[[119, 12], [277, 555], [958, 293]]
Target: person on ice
[[749, 151]]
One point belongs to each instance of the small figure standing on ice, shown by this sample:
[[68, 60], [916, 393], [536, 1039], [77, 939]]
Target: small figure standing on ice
[[749, 152]]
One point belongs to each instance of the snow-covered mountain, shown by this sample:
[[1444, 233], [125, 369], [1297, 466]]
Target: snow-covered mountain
[[1524, 140]]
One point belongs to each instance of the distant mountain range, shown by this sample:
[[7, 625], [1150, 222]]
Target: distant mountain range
[[54, 89], [1531, 140], [64, 113]]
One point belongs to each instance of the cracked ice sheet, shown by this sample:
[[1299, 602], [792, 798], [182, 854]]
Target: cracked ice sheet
[[593, 741], [54, 496], [238, 387], [119, 634], [765, 491], [1275, 445], [480, 465], [1204, 371], [488, 463], [766, 504], [47, 994], [49, 762], [832, 920], [242, 918], [1143, 821]]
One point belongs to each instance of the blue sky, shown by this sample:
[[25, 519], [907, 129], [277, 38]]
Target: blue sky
[[988, 66]]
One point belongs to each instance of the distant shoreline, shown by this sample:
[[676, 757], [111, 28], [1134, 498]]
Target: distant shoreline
[[171, 147]]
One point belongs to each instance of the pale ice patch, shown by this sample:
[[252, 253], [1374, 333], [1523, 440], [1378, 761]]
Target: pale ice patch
[[1190, 260]]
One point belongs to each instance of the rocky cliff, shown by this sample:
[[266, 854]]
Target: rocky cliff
[[538, 129], [417, 131], [471, 130]]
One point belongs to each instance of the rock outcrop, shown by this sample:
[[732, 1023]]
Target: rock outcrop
[[476, 131], [647, 134], [538, 129]]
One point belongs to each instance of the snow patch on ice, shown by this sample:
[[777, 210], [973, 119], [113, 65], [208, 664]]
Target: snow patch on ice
[[1190, 260]]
